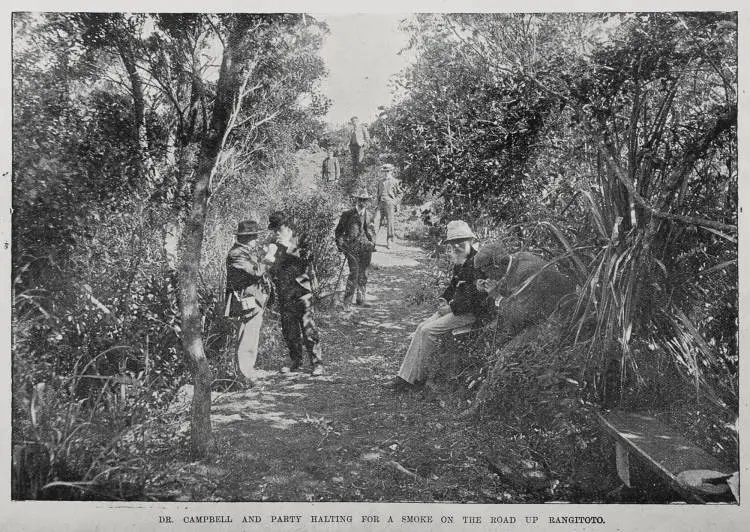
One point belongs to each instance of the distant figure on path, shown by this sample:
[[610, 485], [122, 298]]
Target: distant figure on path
[[355, 237], [461, 304], [294, 289], [359, 139], [331, 170], [247, 292], [389, 194]]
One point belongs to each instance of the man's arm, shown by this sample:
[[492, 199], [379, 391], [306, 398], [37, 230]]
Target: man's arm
[[336, 169], [341, 229]]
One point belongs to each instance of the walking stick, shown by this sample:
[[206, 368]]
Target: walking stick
[[341, 270]]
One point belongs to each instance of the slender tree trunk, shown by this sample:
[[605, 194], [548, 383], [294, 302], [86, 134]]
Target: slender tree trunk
[[147, 168], [192, 244], [192, 333]]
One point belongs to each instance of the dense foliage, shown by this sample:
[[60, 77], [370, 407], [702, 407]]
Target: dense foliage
[[112, 115], [608, 142]]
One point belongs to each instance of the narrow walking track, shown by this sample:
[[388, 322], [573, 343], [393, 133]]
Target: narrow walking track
[[342, 436]]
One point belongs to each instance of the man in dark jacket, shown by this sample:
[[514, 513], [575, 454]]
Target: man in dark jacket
[[293, 286], [247, 292], [355, 237], [527, 288], [461, 304]]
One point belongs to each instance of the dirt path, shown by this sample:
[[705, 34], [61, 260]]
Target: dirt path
[[342, 436]]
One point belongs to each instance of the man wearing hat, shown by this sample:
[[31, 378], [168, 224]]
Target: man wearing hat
[[289, 272], [460, 304], [355, 237], [527, 288], [359, 138], [247, 292], [389, 192]]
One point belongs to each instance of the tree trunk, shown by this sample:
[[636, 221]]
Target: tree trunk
[[192, 244], [192, 333], [147, 170]]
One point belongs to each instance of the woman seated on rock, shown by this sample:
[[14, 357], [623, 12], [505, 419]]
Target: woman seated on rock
[[461, 304]]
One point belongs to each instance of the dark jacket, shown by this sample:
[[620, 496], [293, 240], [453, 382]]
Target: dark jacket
[[331, 170], [462, 294], [289, 272], [350, 226], [532, 290], [245, 273]]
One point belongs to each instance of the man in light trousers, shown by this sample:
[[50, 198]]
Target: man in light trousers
[[359, 139], [460, 305], [247, 292], [389, 193]]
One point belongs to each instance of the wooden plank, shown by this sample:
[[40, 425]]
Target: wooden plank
[[622, 459], [665, 450]]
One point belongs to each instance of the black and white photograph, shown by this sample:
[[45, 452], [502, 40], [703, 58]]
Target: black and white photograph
[[481, 261]]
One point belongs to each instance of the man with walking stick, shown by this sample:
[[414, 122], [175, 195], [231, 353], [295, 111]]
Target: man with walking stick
[[355, 237]]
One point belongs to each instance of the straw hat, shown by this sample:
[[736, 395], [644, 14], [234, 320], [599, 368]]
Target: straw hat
[[458, 230]]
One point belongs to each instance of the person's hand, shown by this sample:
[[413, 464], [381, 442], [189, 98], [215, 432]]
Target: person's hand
[[444, 308]]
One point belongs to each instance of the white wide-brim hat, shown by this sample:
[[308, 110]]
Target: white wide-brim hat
[[458, 230]]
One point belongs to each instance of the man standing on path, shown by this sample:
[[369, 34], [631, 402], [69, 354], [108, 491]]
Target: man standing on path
[[247, 292], [389, 193], [461, 304], [359, 139], [355, 237], [331, 170], [289, 272]]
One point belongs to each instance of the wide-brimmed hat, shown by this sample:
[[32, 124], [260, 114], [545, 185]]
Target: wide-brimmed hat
[[458, 230], [361, 193], [248, 227]]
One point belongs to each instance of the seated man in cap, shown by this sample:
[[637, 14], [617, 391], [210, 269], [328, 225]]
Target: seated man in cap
[[355, 237], [461, 304], [289, 272], [525, 288], [247, 292], [389, 192]]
